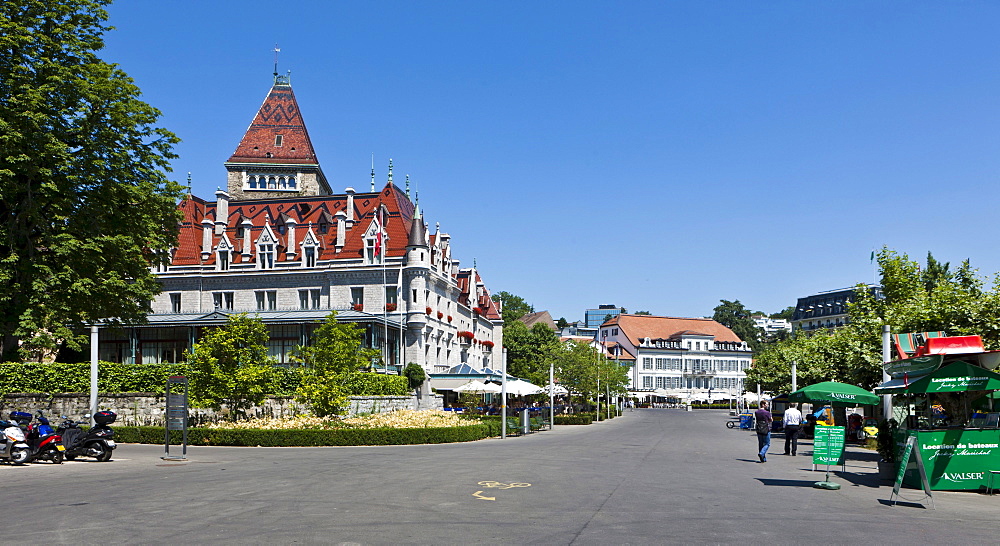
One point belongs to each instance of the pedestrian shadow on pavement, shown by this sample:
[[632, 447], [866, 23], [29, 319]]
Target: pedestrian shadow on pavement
[[749, 460], [786, 483]]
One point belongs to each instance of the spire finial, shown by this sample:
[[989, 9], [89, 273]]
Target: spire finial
[[373, 172], [416, 203], [473, 263], [407, 186], [390, 170], [276, 51], [189, 183]]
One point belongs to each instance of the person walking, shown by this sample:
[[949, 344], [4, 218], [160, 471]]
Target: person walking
[[763, 420], [792, 421]]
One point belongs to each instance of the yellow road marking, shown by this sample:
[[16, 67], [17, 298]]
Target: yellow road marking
[[478, 496]]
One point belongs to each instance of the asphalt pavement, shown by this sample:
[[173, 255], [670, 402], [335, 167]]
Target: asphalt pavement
[[652, 476]]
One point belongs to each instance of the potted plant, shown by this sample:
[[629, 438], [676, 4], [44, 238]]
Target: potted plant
[[358, 307], [440, 314], [427, 310], [390, 307], [886, 445]]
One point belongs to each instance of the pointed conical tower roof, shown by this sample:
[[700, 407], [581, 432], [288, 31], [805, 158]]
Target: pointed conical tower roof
[[276, 142]]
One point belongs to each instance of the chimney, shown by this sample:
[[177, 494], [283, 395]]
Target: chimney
[[206, 238], [221, 211], [290, 243], [247, 224], [350, 207], [341, 229]]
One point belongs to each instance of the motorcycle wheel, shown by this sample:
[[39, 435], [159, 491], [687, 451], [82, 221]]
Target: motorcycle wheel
[[57, 457], [70, 457], [100, 452], [862, 435], [20, 455]]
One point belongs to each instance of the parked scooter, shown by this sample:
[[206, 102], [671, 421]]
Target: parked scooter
[[96, 442], [44, 443], [13, 445]]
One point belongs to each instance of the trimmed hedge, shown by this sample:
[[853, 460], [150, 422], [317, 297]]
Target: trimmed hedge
[[121, 378], [308, 437], [575, 419]]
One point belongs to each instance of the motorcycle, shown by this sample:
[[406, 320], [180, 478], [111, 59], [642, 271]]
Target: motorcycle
[[13, 445], [43, 442], [95, 442]]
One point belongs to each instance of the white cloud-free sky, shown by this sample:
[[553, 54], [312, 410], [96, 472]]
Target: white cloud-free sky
[[659, 156]]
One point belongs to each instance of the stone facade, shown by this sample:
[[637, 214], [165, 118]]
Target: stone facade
[[147, 409]]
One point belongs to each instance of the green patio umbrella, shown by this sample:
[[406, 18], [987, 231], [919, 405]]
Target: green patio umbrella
[[834, 393]]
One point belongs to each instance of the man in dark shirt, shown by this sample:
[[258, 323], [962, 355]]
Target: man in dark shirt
[[763, 423]]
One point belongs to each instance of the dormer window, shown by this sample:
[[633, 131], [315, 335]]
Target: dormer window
[[265, 256], [277, 141], [309, 256], [223, 260]]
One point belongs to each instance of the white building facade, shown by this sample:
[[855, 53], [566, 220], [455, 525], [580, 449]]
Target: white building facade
[[695, 358]]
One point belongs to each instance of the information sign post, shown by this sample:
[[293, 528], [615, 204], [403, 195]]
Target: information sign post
[[828, 449], [904, 462], [176, 415]]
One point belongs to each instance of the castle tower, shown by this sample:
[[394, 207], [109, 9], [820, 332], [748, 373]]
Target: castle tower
[[275, 158], [415, 280]]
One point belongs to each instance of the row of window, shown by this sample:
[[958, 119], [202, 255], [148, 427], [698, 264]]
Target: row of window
[[653, 382], [695, 364], [270, 182]]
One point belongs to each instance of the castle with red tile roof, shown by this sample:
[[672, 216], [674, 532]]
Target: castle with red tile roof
[[279, 244]]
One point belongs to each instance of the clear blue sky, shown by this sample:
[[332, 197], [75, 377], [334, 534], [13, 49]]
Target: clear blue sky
[[654, 155]]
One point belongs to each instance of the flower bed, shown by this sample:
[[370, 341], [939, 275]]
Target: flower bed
[[395, 428]]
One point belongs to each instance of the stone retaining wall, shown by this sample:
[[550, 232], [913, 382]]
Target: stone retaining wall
[[146, 408]]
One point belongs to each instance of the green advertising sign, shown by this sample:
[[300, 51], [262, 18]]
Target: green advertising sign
[[828, 445], [957, 459]]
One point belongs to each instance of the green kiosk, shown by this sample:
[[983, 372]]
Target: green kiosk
[[943, 398]]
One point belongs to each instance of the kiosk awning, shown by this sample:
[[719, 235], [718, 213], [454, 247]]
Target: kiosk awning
[[955, 377]]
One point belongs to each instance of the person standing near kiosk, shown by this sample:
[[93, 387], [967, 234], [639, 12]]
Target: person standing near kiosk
[[763, 425], [792, 421]]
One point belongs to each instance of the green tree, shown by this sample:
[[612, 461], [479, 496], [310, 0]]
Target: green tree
[[529, 351], [643, 313], [910, 301], [785, 313], [736, 317], [581, 367], [85, 206], [512, 307], [415, 375], [230, 367], [562, 323], [334, 351]]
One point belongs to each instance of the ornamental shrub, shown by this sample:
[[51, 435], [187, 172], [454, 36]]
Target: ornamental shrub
[[309, 437]]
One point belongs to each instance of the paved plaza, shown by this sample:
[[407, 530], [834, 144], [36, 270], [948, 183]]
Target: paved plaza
[[653, 476]]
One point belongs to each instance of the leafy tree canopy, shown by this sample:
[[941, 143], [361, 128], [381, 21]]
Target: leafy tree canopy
[[736, 317], [85, 206], [512, 307], [643, 313], [581, 367], [334, 352], [230, 367], [785, 313], [913, 299], [529, 351]]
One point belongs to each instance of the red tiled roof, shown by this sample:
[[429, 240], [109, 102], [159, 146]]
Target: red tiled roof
[[306, 212], [471, 296], [609, 351], [639, 327], [279, 115], [543, 317]]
